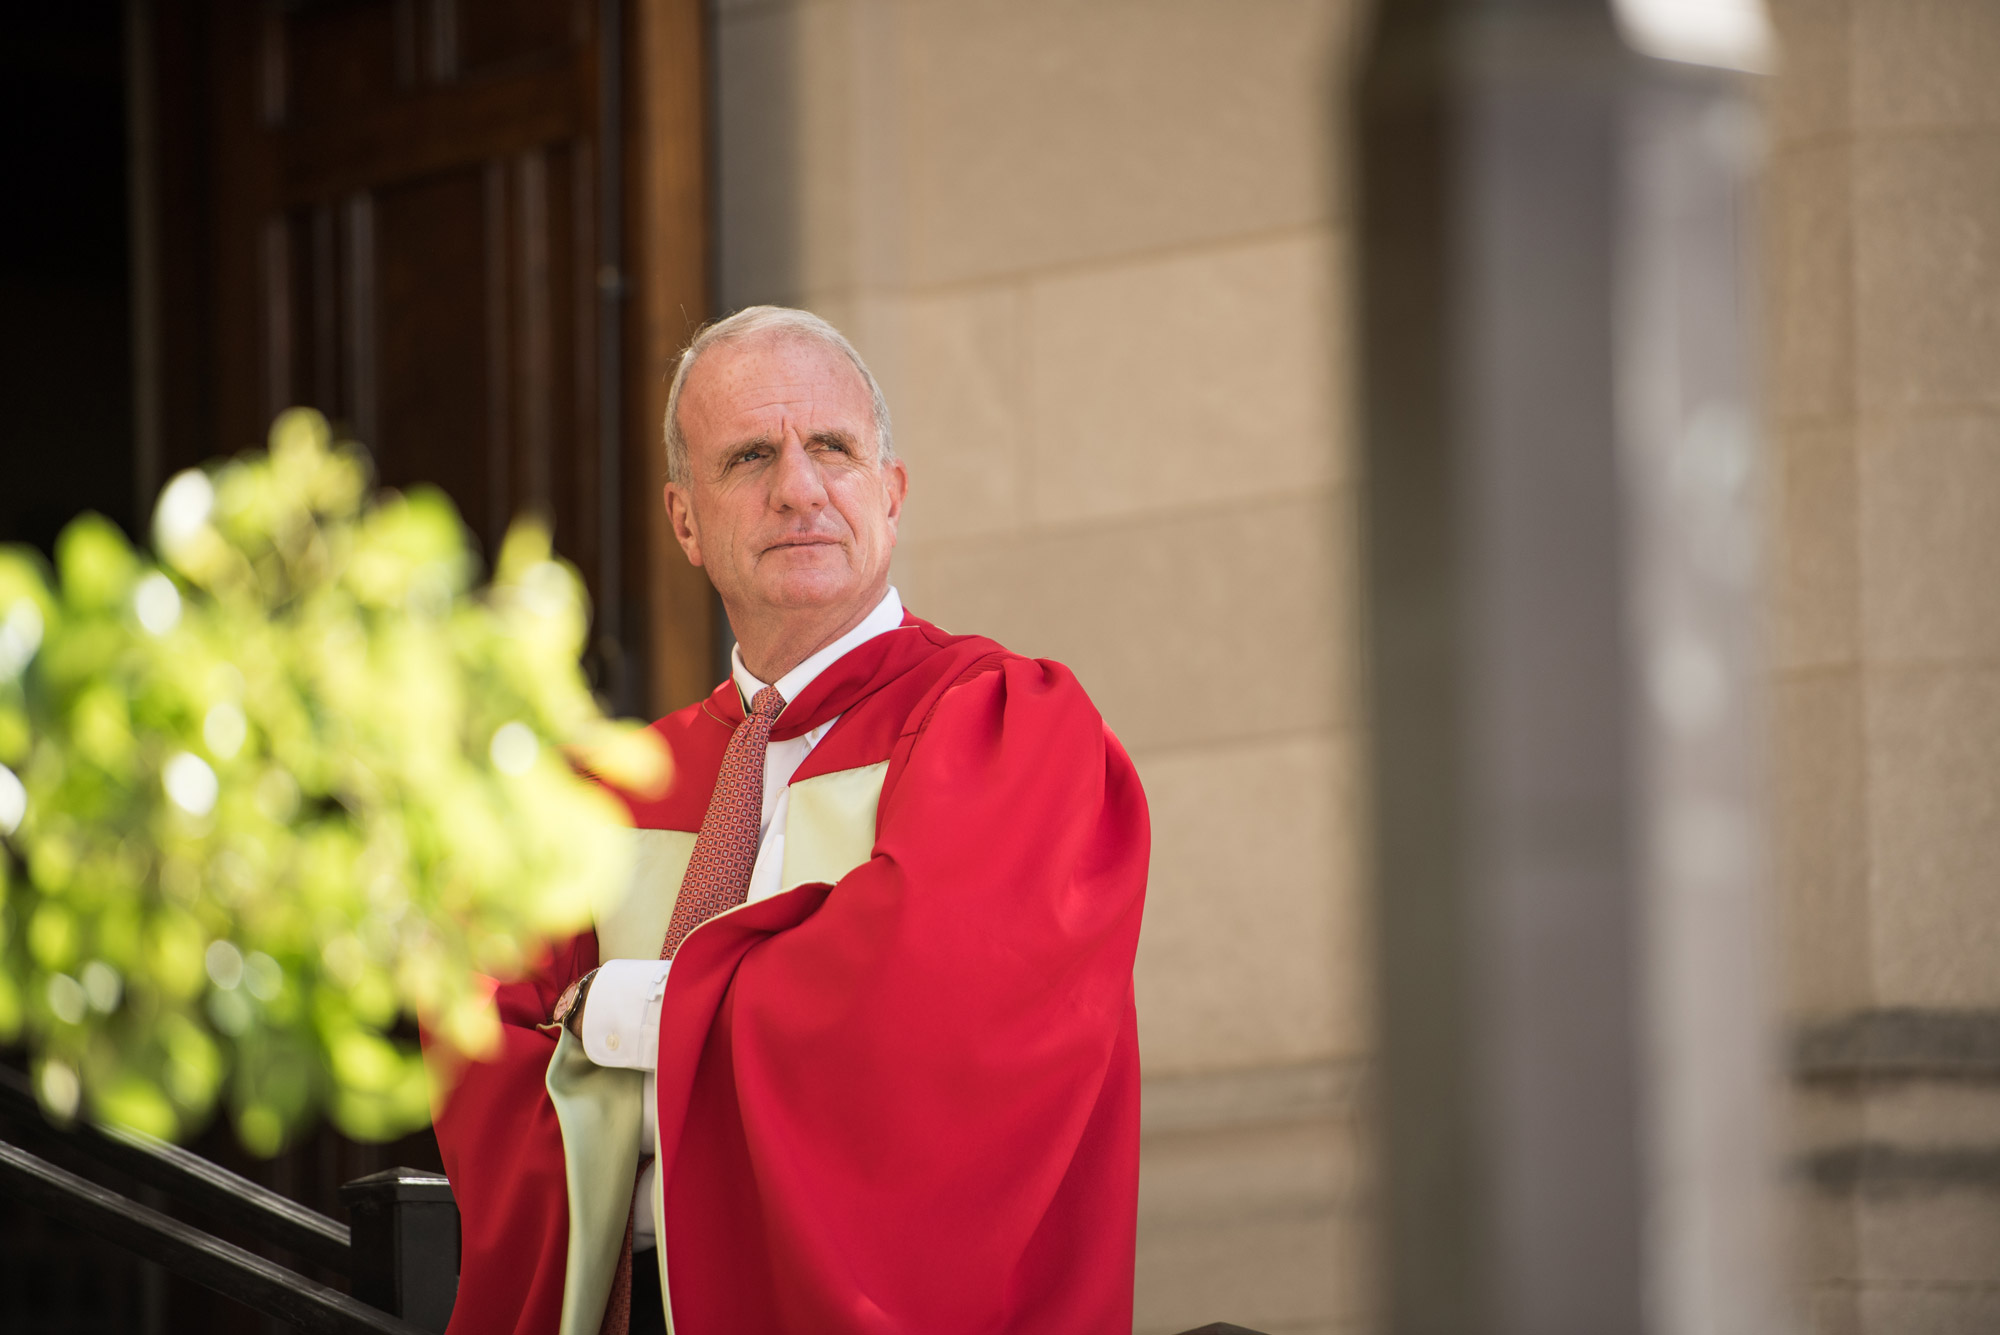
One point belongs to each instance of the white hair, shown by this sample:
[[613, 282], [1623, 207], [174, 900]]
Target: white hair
[[749, 323]]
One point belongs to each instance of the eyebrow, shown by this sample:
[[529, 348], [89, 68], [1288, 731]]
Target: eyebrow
[[824, 437]]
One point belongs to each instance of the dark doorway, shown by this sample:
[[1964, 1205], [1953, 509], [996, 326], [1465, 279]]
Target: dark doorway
[[66, 412], [471, 231]]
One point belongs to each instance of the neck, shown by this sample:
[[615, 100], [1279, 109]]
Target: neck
[[774, 643]]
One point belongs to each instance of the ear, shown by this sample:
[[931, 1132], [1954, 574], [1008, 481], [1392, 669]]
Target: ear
[[896, 479], [680, 514]]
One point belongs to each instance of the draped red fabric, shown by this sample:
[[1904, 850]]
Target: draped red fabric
[[503, 1154], [907, 1102]]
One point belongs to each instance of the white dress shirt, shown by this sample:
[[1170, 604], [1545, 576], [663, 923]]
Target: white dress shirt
[[621, 1017]]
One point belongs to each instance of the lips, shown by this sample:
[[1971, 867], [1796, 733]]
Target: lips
[[807, 541]]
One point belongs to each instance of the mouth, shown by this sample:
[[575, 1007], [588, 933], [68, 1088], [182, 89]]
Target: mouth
[[805, 542]]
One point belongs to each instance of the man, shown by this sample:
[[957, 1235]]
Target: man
[[857, 1052]]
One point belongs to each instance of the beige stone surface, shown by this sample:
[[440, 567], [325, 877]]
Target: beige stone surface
[[1279, 1269], [1176, 624], [1832, 1309], [1312, 1091], [1815, 578], [1820, 817], [1826, 1232], [1178, 382], [1092, 248], [1250, 953], [1809, 98], [1254, 1201], [956, 399], [1883, 277], [1049, 132], [1826, 1114], [1909, 1259], [1927, 269], [1930, 537], [1293, 1273], [1903, 1236], [1256, 1168], [1925, 63], [1934, 835], [1810, 280], [1928, 1309], [1929, 1235], [1962, 1114]]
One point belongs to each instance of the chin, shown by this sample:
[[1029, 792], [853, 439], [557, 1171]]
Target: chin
[[812, 588]]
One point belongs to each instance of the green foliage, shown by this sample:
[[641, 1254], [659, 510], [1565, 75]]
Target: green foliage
[[268, 799]]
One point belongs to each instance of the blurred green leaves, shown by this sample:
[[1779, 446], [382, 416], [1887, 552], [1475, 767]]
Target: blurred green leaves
[[293, 785]]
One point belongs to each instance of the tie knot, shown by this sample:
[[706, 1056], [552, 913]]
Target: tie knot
[[767, 704]]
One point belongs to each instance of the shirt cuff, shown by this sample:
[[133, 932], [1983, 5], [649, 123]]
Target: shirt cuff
[[621, 1016]]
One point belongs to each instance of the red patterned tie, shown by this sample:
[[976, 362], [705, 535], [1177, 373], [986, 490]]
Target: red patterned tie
[[717, 879], [725, 852], [618, 1304]]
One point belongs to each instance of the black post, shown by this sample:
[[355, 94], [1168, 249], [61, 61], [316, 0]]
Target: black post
[[405, 1229]]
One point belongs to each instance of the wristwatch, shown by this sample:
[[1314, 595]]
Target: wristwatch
[[569, 1006]]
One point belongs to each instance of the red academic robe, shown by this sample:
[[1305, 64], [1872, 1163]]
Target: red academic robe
[[906, 1102]]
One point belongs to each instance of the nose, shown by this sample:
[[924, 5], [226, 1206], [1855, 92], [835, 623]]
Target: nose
[[795, 480]]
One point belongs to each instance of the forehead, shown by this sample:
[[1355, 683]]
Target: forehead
[[765, 383]]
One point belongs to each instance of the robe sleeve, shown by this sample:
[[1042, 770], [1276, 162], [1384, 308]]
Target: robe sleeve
[[916, 1110], [503, 1152]]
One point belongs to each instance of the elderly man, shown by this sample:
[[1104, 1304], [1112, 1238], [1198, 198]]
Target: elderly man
[[857, 1052]]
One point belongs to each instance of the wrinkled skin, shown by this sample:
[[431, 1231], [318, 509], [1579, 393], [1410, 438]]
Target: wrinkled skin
[[787, 506]]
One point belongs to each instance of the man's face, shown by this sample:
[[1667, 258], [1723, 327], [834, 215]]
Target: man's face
[[786, 504]]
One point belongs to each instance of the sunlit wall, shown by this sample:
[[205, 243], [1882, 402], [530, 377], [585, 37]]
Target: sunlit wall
[[1096, 253]]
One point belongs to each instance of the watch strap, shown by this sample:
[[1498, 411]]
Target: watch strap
[[569, 1006]]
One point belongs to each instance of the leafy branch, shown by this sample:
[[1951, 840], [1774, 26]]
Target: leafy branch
[[268, 798]]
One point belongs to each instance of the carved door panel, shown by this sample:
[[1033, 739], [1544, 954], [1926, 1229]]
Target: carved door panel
[[418, 221], [443, 223]]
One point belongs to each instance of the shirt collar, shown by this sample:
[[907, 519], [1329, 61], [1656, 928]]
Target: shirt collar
[[888, 615]]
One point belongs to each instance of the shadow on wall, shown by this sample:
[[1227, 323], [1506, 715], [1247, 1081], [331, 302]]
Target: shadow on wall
[[758, 204]]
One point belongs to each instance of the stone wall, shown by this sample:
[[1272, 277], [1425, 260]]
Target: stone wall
[[1884, 295], [1095, 252]]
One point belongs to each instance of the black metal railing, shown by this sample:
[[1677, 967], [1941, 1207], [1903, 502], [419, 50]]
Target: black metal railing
[[400, 1257], [186, 1177]]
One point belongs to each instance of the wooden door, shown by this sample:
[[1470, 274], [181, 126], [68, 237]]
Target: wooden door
[[472, 232], [417, 220]]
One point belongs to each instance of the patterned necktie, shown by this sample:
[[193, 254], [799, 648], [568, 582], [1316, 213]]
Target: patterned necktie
[[725, 852], [618, 1304], [717, 879]]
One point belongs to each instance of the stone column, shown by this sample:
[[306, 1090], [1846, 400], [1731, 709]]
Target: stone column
[[1558, 507]]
